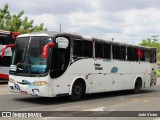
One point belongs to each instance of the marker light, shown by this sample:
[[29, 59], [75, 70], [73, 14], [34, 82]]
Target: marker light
[[140, 53], [39, 83]]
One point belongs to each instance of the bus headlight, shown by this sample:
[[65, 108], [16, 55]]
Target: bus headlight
[[11, 80], [39, 83]]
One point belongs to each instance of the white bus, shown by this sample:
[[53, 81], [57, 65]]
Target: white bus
[[61, 64], [6, 37]]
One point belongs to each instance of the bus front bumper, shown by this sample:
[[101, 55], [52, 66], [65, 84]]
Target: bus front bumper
[[29, 89]]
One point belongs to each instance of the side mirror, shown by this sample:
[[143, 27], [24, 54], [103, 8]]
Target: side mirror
[[5, 47], [45, 49]]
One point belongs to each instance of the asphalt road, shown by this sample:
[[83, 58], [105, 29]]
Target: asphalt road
[[97, 104]]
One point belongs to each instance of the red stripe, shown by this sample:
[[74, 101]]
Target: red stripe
[[4, 76]]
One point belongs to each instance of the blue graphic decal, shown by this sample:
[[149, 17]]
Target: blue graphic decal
[[114, 70], [30, 85], [26, 82]]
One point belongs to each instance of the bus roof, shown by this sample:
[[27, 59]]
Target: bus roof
[[2, 32], [6, 33], [78, 36]]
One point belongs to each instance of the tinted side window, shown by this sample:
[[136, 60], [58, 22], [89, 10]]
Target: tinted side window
[[129, 54], [132, 54], [106, 50], [82, 48], [153, 57], [6, 39], [135, 55], [123, 53], [116, 52], [78, 48], [147, 56], [143, 56], [98, 50], [88, 48]]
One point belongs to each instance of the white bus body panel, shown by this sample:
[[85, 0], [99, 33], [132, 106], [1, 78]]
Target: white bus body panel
[[99, 75]]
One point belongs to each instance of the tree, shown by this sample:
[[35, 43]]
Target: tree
[[149, 43], [16, 23], [158, 56]]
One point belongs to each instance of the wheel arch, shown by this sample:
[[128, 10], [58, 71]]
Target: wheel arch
[[138, 78], [76, 79]]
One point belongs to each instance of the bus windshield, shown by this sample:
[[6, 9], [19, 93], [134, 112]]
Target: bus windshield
[[27, 57]]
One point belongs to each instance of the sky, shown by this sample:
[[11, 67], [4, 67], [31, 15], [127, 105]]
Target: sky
[[127, 21]]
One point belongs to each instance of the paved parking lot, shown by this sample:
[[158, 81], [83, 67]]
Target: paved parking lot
[[4, 89], [148, 99]]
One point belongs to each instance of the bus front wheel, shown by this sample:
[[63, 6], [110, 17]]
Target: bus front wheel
[[137, 86], [77, 90]]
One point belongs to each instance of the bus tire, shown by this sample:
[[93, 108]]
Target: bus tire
[[137, 86], [77, 90]]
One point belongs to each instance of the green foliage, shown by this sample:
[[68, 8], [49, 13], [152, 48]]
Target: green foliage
[[150, 43], [16, 23], [158, 72], [158, 58]]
